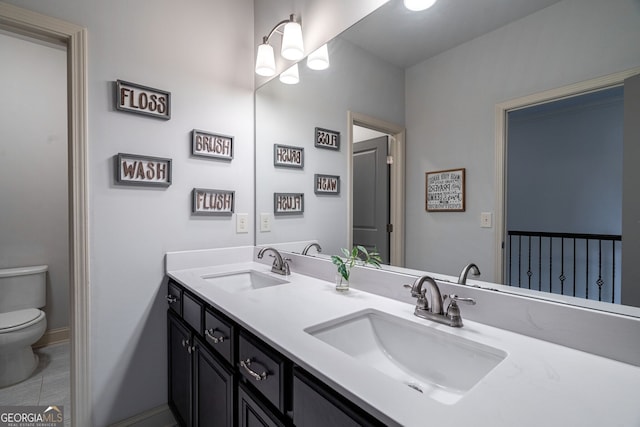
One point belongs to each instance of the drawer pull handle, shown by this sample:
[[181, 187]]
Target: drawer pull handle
[[171, 299], [246, 365], [216, 340]]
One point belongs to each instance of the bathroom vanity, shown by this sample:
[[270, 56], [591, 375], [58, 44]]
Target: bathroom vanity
[[250, 347]]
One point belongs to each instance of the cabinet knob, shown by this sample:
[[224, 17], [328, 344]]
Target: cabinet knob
[[171, 299], [256, 376], [216, 340]]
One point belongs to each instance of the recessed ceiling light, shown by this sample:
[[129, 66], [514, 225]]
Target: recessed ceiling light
[[417, 5]]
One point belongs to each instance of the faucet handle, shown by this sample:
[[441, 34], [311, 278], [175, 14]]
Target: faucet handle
[[413, 292], [456, 298]]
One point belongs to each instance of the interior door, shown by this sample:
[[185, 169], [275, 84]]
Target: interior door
[[371, 195], [630, 294]]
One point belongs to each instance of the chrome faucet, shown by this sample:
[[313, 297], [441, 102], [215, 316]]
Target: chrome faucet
[[430, 304], [309, 246], [280, 265], [462, 279]]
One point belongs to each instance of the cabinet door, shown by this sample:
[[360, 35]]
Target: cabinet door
[[214, 387], [316, 405], [180, 369], [253, 414]]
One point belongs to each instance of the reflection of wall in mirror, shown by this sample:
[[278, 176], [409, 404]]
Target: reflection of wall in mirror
[[450, 108], [289, 115]]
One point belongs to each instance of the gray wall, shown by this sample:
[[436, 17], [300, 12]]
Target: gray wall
[[450, 109], [289, 114], [33, 166], [202, 52]]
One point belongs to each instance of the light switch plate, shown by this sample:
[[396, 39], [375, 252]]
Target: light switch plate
[[486, 220], [242, 223], [265, 222]]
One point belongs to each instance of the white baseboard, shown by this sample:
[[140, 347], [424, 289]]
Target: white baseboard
[[53, 336], [160, 416]]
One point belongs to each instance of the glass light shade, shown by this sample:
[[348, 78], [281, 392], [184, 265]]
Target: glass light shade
[[290, 76], [292, 46], [319, 59], [265, 62], [417, 5]]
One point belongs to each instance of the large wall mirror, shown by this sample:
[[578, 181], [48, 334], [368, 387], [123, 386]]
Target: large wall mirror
[[442, 75]]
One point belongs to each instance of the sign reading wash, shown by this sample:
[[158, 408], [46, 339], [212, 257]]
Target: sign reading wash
[[132, 169], [32, 416]]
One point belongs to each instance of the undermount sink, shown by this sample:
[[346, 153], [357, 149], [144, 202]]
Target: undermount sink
[[242, 281], [438, 364]]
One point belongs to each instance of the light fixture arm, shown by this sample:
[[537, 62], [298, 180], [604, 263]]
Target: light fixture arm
[[292, 18]]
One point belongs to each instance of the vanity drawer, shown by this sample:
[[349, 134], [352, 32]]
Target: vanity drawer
[[218, 332], [174, 297], [192, 312], [263, 368]]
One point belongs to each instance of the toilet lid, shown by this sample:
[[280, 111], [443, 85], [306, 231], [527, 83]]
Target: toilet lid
[[17, 318]]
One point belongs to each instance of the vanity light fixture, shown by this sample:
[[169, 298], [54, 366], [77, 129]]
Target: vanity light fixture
[[417, 5], [290, 76], [319, 58], [292, 46]]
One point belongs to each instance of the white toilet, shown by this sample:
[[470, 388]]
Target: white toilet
[[22, 323]]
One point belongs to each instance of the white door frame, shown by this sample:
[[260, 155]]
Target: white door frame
[[23, 21], [396, 188], [501, 110]]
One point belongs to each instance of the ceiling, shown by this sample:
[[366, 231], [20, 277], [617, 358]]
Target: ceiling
[[405, 38]]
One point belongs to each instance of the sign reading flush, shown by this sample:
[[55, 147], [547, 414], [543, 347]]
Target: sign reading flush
[[212, 202], [288, 203]]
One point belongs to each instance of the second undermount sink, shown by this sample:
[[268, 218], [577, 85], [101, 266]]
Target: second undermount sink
[[440, 365], [241, 281]]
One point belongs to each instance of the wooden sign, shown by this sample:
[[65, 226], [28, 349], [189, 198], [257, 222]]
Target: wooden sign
[[132, 169], [445, 190], [212, 202], [288, 203], [326, 184], [207, 144], [325, 138], [138, 99], [288, 157]]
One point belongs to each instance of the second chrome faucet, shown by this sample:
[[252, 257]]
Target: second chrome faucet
[[280, 265], [431, 304]]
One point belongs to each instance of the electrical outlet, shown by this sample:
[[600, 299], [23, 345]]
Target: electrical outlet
[[242, 223], [485, 220], [265, 222]]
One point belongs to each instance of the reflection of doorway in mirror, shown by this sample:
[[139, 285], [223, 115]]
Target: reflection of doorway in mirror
[[381, 227], [564, 196]]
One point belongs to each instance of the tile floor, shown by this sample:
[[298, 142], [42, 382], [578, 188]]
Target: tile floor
[[48, 385]]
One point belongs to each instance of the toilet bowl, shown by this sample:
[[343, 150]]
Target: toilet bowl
[[22, 293]]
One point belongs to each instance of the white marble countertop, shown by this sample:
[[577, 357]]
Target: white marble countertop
[[538, 383]]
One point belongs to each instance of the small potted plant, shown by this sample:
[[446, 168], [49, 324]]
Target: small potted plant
[[359, 255]]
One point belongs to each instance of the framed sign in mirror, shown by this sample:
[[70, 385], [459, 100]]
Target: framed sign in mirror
[[288, 203], [445, 190]]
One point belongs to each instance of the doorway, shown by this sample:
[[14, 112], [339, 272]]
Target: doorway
[[528, 244], [395, 161], [22, 21]]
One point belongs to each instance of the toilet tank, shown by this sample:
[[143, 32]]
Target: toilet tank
[[22, 287]]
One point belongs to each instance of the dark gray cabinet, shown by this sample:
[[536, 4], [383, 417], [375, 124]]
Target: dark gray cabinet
[[316, 405], [180, 369], [213, 390], [201, 387], [253, 413], [223, 375]]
